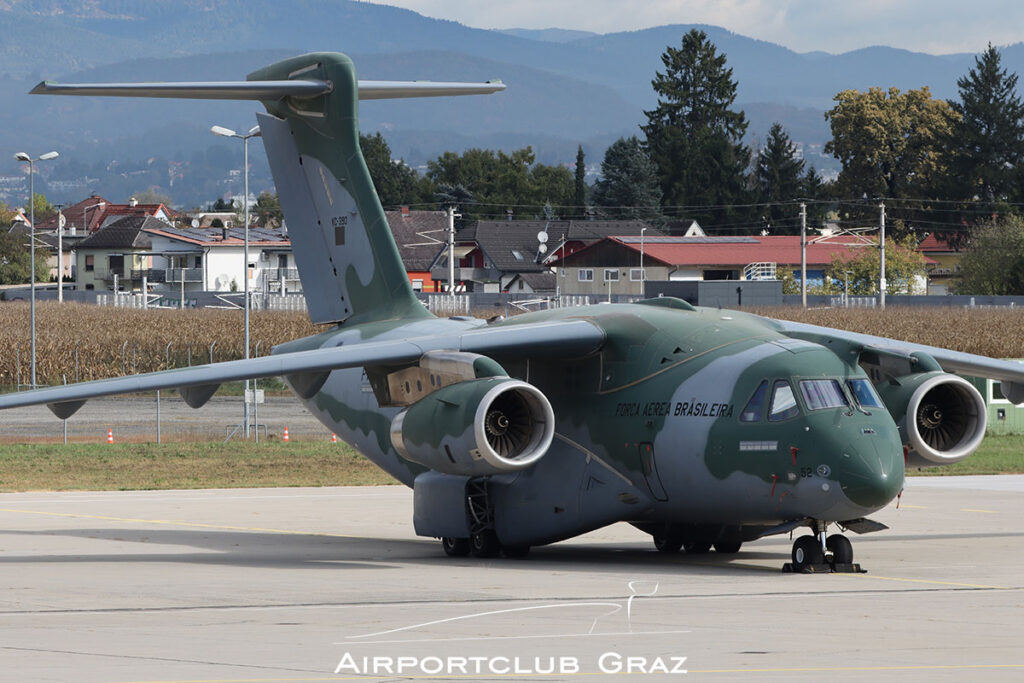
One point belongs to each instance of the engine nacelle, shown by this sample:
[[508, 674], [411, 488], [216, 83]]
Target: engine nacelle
[[476, 427], [942, 417]]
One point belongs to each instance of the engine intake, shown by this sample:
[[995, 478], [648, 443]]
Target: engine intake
[[942, 417], [476, 427]]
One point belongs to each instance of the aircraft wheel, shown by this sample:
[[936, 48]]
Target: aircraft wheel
[[515, 550], [697, 547], [484, 544], [455, 547], [842, 549], [667, 542], [807, 551], [728, 547]]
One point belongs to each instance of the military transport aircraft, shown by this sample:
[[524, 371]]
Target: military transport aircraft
[[705, 428]]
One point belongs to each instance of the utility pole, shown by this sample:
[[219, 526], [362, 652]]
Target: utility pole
[[451, 252], [60, 253], [881, 255], [803, 254]]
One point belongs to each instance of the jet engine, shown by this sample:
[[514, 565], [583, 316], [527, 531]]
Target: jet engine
[[476, 427], [942, 417]]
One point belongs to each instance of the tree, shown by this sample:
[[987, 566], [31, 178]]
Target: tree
[[994, 260], [580, 195], [152, 195], [44, 209], [16, 258], [7, 215], [498, 182], [987, 139], [693, 135], [222, 205], [890, 143], [904, 268], [396, 183], [628, 187], [779, 181], [268, 210]]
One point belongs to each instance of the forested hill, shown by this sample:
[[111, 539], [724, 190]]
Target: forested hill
[[565, 87]]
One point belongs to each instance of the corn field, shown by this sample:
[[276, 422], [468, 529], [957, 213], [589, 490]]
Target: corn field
[[116, 341], [995, 332]]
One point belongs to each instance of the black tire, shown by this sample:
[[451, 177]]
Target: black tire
[[455, 547], [667, 542], [842, 549], [484, 544], [515, 551], [728, 547], [807, 551], [697, 547]]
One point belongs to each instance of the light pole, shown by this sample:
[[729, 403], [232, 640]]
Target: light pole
[[254, 132], [21, 156]]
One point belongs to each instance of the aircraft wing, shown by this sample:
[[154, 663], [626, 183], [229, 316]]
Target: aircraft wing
[[198, 383], [1010, 373]]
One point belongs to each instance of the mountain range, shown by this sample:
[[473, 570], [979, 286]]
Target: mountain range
[[565, 87]]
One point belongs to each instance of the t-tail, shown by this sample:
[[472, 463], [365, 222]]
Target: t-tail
[[346, 256]]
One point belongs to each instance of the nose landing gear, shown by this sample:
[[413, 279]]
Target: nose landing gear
[[822, 553]]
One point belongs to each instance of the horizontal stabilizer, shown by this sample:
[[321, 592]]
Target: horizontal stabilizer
[[266, 90]]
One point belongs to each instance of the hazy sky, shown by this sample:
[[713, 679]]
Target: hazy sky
[[935, 26]]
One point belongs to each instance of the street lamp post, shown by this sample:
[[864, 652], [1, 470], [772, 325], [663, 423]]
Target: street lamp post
[[22, 156], [254, 132]]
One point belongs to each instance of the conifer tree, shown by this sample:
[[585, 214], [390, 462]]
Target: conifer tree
[[988, 139], [628, 187], [694, 136], [580, 197], [779, 180]]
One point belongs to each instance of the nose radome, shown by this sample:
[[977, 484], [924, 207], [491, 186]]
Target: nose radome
[[871, 474]]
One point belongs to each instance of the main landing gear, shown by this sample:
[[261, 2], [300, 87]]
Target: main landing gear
[[822, 553], [482, 541]]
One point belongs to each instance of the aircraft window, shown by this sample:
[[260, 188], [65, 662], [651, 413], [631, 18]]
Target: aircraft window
[[865, 393], [820, 394], [755, 406], [783, 402]]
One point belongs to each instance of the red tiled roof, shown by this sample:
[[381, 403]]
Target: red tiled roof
[[938, 243]]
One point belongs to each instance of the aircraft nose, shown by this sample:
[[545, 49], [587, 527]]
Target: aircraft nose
[[871, 474]]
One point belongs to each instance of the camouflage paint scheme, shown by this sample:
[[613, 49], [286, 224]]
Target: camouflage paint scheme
[[652, 402]]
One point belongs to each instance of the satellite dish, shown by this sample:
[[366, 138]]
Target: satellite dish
[[62, 220], [223, 281], [195, 222], [542, 237], [543, 248]]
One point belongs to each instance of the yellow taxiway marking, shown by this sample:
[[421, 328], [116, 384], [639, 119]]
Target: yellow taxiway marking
[[988, 512], [928, 581], [178, 522]]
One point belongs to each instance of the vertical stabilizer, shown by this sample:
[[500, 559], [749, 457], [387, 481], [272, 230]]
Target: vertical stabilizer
[[346, 255], [347, 259]]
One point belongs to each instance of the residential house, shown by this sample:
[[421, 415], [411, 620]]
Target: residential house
[[613, 265], [120, 252], [944, 252], [212, 259], [492, 253], [419, 235]]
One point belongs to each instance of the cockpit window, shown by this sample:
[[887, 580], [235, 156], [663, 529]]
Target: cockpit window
[[783, 402], [820, 394], [864, 393], [755, 406]]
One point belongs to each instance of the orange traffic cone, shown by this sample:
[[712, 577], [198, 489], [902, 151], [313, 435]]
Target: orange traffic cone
[[110, 436], [285, 436], [334, 438]]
